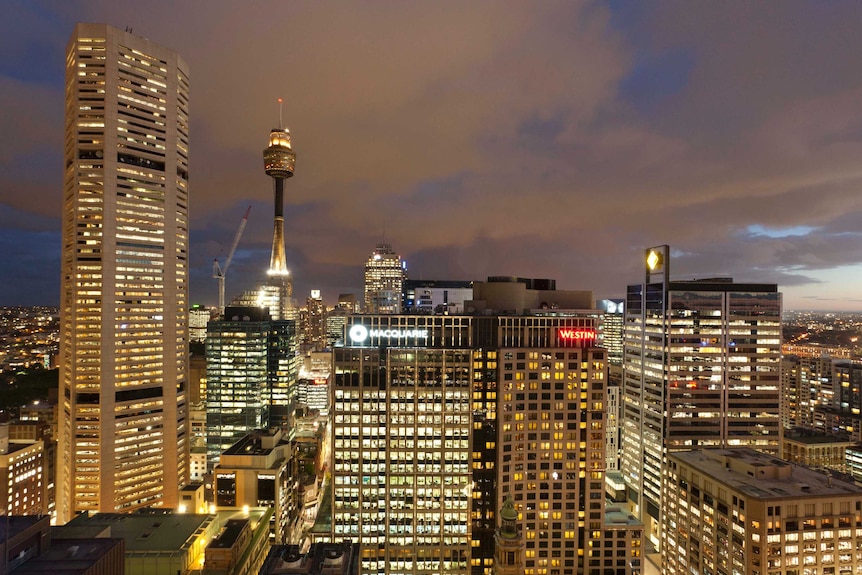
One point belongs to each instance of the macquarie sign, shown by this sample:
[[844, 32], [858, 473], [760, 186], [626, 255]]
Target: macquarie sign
[[359, 334]]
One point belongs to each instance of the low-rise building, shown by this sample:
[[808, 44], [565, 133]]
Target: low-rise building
[[22, 538], [163, 542], [156, 543], [238, 549], [815, 450], [257, 472], [89, 556]]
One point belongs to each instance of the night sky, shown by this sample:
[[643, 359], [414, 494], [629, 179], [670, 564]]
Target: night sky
[[537, 139]]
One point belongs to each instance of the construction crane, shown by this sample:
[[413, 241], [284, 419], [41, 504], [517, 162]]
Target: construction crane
[[219, 272]]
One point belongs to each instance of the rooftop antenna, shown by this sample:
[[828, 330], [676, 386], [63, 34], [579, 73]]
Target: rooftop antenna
[[279, 113]]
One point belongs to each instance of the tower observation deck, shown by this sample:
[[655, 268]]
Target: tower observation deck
[[278, 162]]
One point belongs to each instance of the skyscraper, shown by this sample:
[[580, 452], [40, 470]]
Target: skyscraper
[[439, 419], [384, 280], [251, 376], [123, 436], [701, 364], [401, 470]]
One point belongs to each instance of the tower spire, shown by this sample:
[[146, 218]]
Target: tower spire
[[279, 114]]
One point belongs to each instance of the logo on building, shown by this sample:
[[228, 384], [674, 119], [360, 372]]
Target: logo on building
[[358, 333], [576, 336]]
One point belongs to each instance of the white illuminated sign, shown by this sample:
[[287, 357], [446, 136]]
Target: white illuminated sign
[[359, 333]]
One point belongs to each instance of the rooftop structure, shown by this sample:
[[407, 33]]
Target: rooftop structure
[[503, 295], [90, 556], [321, 559], [161, 542]]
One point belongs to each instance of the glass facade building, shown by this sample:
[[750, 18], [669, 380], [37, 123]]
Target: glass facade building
[[251, 376], [701, 369]]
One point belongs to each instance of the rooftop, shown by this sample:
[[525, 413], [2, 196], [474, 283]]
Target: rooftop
[[763, 476], [15, 524], [141, 531], [252, 444], [232, 530], [69, 556], [322, 558], [617, 516], [810, 437]]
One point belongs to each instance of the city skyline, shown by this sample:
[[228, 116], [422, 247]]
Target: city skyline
[[481, 139]]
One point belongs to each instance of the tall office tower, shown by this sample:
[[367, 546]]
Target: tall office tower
[[437, 419], [251, 373], [552, 442], [806, 384], [313, 322], [336, 319], [841, 414], [700, 369], [384, 280], [123, 438], [847, 377], [742, 511], [279, 160], [401, 473], [612, 329]]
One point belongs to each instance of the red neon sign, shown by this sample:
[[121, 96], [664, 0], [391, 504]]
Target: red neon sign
[[576, 336], [570, 334]]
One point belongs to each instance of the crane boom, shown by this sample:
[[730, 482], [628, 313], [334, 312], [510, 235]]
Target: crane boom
[[219, 272]]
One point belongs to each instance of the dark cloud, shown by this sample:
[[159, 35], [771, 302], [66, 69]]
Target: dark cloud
[[484, 138]]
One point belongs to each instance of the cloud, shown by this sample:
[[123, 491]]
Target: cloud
[[488, 138]]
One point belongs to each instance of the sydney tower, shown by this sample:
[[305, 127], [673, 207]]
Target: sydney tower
[[278, 160]]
